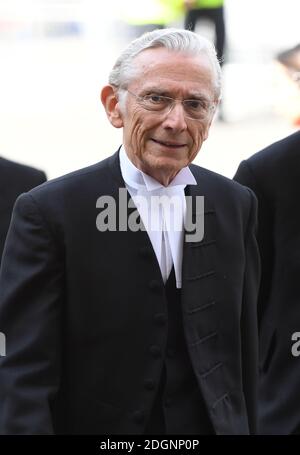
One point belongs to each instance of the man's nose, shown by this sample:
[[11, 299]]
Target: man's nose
[[175, 119]]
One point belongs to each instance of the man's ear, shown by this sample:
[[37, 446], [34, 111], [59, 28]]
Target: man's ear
[[111, 105]]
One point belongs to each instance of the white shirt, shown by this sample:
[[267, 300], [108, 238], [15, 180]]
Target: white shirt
[[162, 210]]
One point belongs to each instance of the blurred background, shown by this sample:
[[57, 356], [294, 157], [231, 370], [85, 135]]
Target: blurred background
[[55, 56]]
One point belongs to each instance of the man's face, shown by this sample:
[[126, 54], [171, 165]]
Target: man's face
[[160, 143]]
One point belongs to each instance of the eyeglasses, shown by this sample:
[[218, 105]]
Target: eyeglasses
[[194, 109]]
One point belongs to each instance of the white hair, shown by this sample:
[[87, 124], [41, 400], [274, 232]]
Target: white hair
[[173, 39]]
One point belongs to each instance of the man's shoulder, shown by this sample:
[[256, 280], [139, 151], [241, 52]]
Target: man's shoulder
[[217, 184], [231, 200], [275, 157], [16, 178], [13, 169], [224, 195]]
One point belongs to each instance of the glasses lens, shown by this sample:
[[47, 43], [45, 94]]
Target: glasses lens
[[196, 109], [155, 102]]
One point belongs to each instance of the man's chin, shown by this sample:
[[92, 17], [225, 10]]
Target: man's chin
[[158, 168]]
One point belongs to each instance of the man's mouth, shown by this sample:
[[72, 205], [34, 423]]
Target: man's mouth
[[171, 144]]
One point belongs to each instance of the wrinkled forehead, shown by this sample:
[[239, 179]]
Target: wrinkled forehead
[[162, 58], [160, 66]]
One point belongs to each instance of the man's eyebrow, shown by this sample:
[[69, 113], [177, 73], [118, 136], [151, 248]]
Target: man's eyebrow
[[157, 90], [165, 92], [197, 96]]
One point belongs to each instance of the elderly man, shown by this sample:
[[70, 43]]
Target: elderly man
[[114, 329]]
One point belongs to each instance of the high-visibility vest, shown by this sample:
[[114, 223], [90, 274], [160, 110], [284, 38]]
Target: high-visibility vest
[[143, 12], [209, 3]]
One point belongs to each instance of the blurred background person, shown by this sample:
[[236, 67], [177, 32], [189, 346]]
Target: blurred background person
[[213, 10], [146, 15], [207, 9], [14, 179]]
